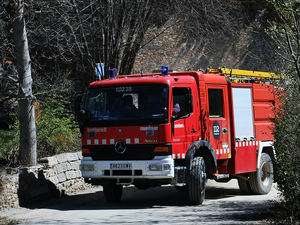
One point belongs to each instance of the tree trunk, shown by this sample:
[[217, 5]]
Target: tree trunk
[[27, 154]]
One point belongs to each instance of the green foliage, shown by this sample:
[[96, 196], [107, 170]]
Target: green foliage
[[7, 221], [9, 144], [57, 131], [287, 146], [284, 30], [56, 128]]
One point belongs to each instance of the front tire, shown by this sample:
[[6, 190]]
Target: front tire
[[183, 188], [261, 181], [197, 181], [112, 192]]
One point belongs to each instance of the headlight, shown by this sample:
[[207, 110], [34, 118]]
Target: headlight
[[159, 167], [166, 166], [155, 167]]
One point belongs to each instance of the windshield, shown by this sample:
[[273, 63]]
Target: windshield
[[138, 104]]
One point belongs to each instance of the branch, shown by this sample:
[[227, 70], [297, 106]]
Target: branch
[[295, 60]]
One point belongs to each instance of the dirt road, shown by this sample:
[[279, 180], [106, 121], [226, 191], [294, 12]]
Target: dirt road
[[224, 204]]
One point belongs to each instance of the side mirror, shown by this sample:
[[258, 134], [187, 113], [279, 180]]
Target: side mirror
[[77, 109], [82, 112], [173, 118], [77, 102]]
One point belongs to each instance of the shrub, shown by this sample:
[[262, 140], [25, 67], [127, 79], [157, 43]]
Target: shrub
[[56, 128], [287, 146], [57, 131], [9, 140]]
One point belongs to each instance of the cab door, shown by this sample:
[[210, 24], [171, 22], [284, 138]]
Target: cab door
[[185, 118], [219, 120]]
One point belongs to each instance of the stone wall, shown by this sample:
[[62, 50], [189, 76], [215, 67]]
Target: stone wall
[[53, 177], [9, 188]]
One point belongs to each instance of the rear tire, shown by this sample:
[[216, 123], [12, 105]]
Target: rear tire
[[261, 181], [244, 186], [197, 181], [112, 192]]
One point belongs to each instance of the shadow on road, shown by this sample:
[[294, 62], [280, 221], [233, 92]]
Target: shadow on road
[[157, 205], [132, 198]]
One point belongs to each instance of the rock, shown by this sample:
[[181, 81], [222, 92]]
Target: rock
[[61, 158], [72, 156], [58, 169], [61, 177], [49, 173], [70, 175], [54, 180], [64, 166], [75, 165], [79, 155], [52, 161]]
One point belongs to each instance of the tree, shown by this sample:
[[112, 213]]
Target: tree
[[27, 148], [69, 37], [285, 30]]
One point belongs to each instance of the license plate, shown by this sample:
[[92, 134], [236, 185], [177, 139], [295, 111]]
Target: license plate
[[120, 166]]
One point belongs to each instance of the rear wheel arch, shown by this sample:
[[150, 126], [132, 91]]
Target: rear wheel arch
[[268, 148], [270, 151]]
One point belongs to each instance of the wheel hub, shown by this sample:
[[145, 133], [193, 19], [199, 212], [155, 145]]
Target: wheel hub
[[265, 174]]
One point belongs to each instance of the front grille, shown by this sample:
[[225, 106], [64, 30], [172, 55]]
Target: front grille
[[133, 152], [122, 172]]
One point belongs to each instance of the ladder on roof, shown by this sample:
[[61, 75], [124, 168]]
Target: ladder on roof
[[243, 74]]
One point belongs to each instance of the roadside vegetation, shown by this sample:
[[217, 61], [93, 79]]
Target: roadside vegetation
[[57, 131], [285, 30], [7, 221]]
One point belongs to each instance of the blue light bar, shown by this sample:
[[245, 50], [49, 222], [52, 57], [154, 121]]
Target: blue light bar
[[164, 70], [112, 73]]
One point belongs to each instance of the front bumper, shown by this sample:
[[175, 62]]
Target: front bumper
[[161, 167]]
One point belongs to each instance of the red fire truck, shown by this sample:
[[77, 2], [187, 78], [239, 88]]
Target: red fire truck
[[179, 128]]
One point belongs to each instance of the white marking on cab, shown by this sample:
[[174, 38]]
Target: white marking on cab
[[148, 128], [102, 130], [179, 125]]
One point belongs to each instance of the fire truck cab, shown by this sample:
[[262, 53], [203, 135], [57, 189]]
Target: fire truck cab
[[179, 128]]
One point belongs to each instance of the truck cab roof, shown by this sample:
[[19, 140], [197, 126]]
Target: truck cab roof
[[173, 77]]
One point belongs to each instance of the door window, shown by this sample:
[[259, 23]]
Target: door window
[[215, 103], [182, 102]]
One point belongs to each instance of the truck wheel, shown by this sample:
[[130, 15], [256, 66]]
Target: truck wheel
[[112, 192], [244, 186], [261, 180], [183, 188], [197, 181]]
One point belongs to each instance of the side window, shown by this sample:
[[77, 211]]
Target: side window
[[182, 102], [215, 103]]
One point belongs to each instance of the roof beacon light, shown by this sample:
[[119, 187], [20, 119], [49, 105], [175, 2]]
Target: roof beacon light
[[112, 73], [164, 70]]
